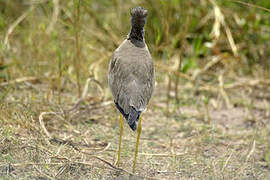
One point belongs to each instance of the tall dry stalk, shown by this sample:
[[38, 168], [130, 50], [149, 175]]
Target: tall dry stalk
[[182, 37], [77, 58], [59, 74]]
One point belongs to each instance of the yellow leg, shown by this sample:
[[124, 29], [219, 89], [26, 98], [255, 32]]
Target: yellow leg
[[120, 138], [139, 129]]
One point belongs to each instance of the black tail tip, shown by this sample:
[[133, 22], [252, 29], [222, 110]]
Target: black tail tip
[[139, 12], [133, 126]]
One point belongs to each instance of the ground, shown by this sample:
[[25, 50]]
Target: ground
[[179, 140], [214, 124]]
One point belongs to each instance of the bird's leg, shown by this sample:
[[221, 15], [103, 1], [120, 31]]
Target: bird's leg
[[139, 129], [120, 139]]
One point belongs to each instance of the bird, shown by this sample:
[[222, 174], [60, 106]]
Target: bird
[[131, 77]]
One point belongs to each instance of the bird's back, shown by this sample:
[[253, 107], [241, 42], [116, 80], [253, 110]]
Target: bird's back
[[131, 77]]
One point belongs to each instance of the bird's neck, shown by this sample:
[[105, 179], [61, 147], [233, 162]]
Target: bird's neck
[[136, 36]]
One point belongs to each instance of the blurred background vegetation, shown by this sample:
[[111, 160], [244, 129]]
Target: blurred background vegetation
[[44, 38], [211, 51]]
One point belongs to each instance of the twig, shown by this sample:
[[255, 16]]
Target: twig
[[75, 146], [19, 80], [105, 161], [219, 19], [13, 25], [41, 122], [230, 39], [61, 170], [207, 114], [253, 82], [267, 108], [226, 162], [44, 174], [251, 151], [102, 150], [168, 172], [162, 155], [77, 58], [31, 2], [222, 92], [34, 163], [54, 16], [169, 90], [251, 5]]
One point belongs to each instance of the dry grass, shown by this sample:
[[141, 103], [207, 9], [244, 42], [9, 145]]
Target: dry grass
[[208, 119], [234, 145]]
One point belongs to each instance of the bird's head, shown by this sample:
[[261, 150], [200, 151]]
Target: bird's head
[[138, 17]]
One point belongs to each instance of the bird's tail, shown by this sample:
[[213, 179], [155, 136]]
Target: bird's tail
[[133, 118]]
